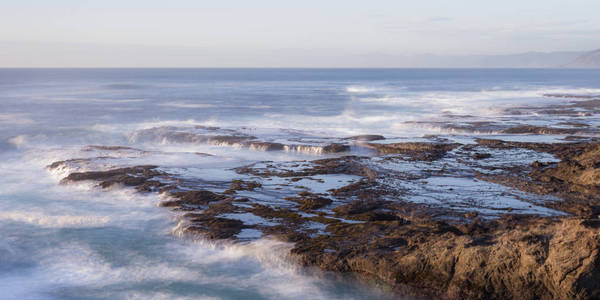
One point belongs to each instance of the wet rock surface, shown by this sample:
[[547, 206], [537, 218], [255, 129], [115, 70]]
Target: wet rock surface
[[138, 176], [573, 115], [366, 137], [574, 179], [482, 219], [415, 150], [238, 138], [426, 250]]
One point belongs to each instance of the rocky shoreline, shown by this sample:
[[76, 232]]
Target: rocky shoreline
[[448, 217], [361, 214]]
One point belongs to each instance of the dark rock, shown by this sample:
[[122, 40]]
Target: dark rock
[[101, 175], [416, 150], [132, 176], [265, 146], [408, 245], [481, 155], [575, 179], [149, 186], [366, 137], [240, 185], [336, 148], [311, 202], [281, 213], [214, 228], [357, 207], [530, 129], [192, 198], [375, 216], [109, 148]]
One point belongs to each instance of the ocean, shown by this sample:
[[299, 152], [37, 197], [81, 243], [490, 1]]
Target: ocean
[[78, 241]]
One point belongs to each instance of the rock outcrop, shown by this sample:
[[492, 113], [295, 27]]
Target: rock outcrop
[[367, 227], [590, 60]]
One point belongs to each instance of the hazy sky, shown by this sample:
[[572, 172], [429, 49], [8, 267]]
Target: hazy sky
[[196, 33]]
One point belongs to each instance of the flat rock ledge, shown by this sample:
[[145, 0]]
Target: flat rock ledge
[[417, 249]]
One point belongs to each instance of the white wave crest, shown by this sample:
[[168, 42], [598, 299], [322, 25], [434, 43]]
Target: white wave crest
[[54, 221], [180, 104], [359, 89]]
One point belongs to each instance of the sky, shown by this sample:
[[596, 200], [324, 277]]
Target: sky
[[270, 33]]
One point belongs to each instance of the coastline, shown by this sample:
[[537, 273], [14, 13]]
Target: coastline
[[360, 213]]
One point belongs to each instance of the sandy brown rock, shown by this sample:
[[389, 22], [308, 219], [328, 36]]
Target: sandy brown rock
[[542, 259]]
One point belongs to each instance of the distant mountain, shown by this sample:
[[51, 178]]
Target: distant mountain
[[28, 54], [529, 60], [519, 60], [587, 60]]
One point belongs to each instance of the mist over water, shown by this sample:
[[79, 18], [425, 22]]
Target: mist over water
[[77, 241]]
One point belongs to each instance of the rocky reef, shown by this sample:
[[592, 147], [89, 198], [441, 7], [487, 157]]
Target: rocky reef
[[447, 217], [367, 214]]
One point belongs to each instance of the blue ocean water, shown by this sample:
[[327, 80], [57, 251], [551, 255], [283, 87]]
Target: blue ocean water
[[77, 98], [78, 242]]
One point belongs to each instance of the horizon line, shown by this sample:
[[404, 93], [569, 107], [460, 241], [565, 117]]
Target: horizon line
[[308, 68]]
